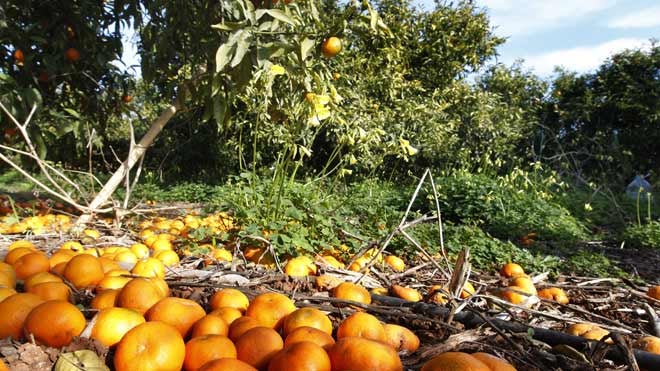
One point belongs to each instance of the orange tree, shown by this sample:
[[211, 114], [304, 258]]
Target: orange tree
[[238, 64], [57, 54]]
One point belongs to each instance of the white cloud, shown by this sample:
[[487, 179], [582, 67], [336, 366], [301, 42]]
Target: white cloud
[[516, 17], [582, 58], [649, 17]]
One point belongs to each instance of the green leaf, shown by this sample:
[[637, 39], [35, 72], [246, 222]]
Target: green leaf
[[85, 360], [294, 213], [72, 112], [280, 16], [66, 127], [269, 51], [306, 46], [32, 96], [242, 47], [229, 26], [374, 19], [223, 56], [219, 109]]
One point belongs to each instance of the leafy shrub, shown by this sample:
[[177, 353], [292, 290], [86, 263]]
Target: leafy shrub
[[645, 235], [297, 217], [506, 210], [592, 264], [487, 252]]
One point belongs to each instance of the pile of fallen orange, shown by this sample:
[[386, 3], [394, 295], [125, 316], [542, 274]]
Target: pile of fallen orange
[[133, 313]]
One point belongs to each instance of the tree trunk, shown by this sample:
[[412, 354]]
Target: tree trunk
[[133, 157]]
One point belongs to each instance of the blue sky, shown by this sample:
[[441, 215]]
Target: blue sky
[[576, 34]]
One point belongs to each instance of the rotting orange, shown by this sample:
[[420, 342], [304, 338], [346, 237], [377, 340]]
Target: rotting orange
[[468, 290], [229, 298], [40, 277], [355, 353], [401, 338], [405, 293], [242, 325], [510, 270], [270, 309], [221, 254], [301, 356], [209, 325], [112, 282], [30, 264], [62, 256], [140, 250], [21, 243], [654, 292], [554, 293], [524, 285], [160, 244], [588, 331], [352, 291], [395, 263], [162, 286], [6, 268], [300, 266], [257, 346], [74, 246], [83, 271], [105, 299], [321, 338], [125, 259], [8, 279], [140, 294], [649, 344], [150, 267], [360, 324], [7, 275], [331, 261], [258, 255], [58, 269], [203, 349], [150, 346], [226, 364], [117, 273], [229, 314], [454, 361], [15, 310], [54, 323], [51, 291], [326, 282], [3, 365], [178, 312], [493, 362], [16, 253], [108, 264], [310, 317], [359, 264], [6, 292], [113, 323], [169, 258]]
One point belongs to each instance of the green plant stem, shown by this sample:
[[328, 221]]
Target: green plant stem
[[639, 218]]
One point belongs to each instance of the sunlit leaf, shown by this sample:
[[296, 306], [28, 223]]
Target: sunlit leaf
[[242, 47]]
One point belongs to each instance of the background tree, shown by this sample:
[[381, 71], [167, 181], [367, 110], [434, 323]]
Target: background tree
[[58, 55], [606, 123]]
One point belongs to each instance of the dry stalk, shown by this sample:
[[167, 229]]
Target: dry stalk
[[400, 229]]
